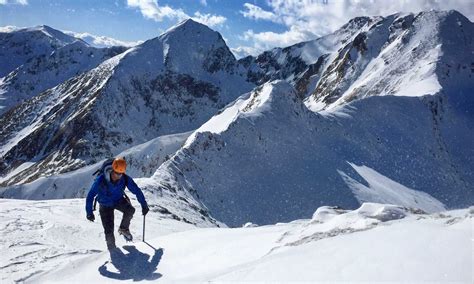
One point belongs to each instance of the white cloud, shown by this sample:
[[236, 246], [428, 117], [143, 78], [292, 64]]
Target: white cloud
[[255, 12], [209, 20], [152, 10], [309, 19], [267, 40], [19, 2], [203, 2]]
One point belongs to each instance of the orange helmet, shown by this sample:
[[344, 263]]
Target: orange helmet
[[119, 165]]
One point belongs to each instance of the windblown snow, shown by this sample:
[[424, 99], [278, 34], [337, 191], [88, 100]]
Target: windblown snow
[[50, 241]]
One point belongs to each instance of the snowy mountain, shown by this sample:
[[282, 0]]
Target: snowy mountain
[[157, 88], [302, 64], [274, 151], [100, 41], [370, 126], [48, 70], [267, 158], [284, 147], [402, 54], [17, 47], [52, 242]]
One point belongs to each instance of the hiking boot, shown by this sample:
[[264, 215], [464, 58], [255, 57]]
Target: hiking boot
[[126, 234]]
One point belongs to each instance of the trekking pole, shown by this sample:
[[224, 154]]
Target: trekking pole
[[144, 228]]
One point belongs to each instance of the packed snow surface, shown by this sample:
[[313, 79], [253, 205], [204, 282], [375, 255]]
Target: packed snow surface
[[382, 189], [50, 241]]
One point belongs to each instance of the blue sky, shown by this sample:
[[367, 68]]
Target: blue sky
[[248, 26]]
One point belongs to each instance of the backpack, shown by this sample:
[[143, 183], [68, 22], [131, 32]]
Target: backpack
[[107, 163]]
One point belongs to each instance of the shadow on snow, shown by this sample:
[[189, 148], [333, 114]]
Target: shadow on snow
[[134, 265]]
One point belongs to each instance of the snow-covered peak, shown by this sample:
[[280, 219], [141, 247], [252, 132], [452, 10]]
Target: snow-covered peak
[[261, 160], [54, 34], [188, 48], [199, 36], [357, 23], [277, 96], [169, 84], [187, 26], [402, 54], [18, 46], [191, 47], [42, 33], [46, 71]]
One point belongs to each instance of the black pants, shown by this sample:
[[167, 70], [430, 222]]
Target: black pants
[[107, 217]]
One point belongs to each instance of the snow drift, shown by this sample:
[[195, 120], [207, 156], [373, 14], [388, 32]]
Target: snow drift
[[377, 242]]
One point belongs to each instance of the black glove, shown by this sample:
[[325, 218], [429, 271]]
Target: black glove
[[91, 217], [145, 210]]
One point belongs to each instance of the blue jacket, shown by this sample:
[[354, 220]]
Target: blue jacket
[[109, 194]]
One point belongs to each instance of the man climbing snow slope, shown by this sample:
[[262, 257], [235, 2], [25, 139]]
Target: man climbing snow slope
[[109, 187]]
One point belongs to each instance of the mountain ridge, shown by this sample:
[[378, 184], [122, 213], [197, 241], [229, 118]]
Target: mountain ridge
[[378, 101], [136, 88], [283, 158], [40, 41]]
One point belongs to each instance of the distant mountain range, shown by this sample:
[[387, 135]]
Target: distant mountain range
[[381, 110], [53, 58], [157, 88]]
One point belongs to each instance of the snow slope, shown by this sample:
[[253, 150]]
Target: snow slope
[[40, 235], [142, 161], [374, 243], [267, 158], [384, 190]]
